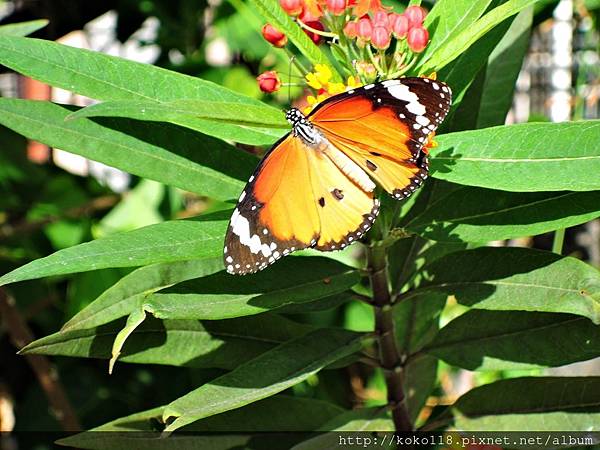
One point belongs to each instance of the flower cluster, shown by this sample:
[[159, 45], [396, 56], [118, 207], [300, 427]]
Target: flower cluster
[[368, 40]]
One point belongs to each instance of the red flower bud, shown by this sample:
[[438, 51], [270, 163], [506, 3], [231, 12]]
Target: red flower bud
[[400, 26], [292, 7], [380, 37], [273, 36], [417, 39], [314, 36], [269, 81], [364, 28], [336, 7], [415, 15], [350, 30]]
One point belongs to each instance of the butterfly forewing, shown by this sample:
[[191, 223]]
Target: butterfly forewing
[[296, 199]]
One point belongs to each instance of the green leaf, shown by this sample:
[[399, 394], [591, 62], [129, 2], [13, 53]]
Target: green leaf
[[221, 112], [474, 214], [531, 404], [504, 278], [105, 77], [293, 414], [276, 16], [446, 19], [420, 377], [161, 152], [515, 340], [129, 293], [417, 320], [363, 420], [503, 69], [266, 375], [460, 73], [220, 344], [172, 241], [292, 281], [519, 157], [451, 48], [22, 28]]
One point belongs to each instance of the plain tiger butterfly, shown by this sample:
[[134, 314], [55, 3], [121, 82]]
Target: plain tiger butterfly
[[315, 187]]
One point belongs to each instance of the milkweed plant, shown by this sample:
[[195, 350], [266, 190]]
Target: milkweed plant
[[423, 290]]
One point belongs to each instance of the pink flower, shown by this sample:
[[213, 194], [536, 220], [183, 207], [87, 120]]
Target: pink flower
[[269, 81], [415, 15], [417, 39], [273, 36], [381, 19], [336, 7], [400, 26], [350, 29], [380, 37], [364, 28], [292, 7]]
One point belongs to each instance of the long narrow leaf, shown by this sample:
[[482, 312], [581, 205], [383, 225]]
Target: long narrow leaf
[[503, 278], [162, 152], [164, 242], [221, 112], [264, 376], [523, 158], [105, 77]]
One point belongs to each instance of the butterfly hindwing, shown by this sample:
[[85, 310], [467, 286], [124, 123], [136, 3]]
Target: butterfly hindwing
[[383, 128]]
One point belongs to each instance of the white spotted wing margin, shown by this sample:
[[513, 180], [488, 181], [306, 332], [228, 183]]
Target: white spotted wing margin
[[249, 245]]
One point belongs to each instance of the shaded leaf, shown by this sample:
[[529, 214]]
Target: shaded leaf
[[161, 152], [505, 278], [22, 28], [461, 41], [220, 344], [515, 340], [263, 376], [474, 214], [518, 157], [171, 241], [503, 69], [420, 377], [531, 404], [292, 281], [294, 414], [363, 420]]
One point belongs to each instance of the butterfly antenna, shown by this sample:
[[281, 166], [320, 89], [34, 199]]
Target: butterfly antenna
[[290, 80]]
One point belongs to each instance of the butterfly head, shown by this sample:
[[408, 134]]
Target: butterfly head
[[302, 127]]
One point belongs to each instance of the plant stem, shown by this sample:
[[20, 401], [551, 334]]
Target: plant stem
[[559, 238], [384, 327]]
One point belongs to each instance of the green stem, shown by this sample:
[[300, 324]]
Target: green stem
[[389, 358], [372, 58], [295, 61], [559, 238]]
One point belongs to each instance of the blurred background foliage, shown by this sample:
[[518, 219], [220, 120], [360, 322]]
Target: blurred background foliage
[[44, 208]]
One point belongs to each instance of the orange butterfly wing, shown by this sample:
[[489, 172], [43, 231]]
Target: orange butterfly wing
[[383, 128], [297, 198]]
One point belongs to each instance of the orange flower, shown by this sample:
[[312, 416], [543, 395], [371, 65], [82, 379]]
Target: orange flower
[[362, 7]]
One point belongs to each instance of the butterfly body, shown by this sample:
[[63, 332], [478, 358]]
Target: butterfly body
[[315, 187]]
